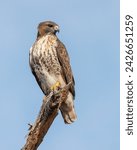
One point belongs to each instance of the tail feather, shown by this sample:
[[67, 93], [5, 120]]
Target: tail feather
[[68, 111]]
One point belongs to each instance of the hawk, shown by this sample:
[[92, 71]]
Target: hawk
[[50, 64]]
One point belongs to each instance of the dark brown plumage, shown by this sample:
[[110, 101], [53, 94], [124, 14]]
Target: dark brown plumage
[[50, 64]]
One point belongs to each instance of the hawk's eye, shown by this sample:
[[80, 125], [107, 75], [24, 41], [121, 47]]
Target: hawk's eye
[[50, 25]]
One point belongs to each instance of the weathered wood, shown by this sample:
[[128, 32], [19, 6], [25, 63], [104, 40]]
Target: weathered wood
[[47, 114]]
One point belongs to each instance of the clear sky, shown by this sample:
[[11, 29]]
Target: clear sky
[[90, 31]]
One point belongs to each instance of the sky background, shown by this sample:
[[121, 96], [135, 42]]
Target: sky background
[[90, 31]]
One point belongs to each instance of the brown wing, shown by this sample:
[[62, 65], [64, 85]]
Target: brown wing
[[65, 64]]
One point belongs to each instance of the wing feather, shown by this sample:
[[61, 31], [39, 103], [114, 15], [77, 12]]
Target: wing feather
[[64, 60]]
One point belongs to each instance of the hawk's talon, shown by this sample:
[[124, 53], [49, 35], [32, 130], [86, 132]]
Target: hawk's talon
[[55, 86]]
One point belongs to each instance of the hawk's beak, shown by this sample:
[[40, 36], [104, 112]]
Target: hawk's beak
[[56, 28]]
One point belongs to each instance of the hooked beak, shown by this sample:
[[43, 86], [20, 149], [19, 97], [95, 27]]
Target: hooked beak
[[56, 28]]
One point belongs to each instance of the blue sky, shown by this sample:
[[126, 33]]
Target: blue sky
[[90, 31]]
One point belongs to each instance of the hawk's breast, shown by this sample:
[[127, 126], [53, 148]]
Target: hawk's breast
[[44, 58]]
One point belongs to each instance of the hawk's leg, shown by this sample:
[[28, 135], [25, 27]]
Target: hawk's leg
[[56, 86]]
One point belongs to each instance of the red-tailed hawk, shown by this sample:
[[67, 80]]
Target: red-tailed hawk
[[50, 64]]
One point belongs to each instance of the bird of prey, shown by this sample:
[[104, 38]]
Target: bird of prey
[[50, 64]]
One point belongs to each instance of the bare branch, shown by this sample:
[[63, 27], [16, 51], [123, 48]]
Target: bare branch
[[47, 114]]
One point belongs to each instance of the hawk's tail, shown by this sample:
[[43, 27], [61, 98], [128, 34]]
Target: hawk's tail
[[68, 111]]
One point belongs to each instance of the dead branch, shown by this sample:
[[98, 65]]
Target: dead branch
[[47, 114]]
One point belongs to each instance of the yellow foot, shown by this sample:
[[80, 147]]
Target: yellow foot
[[55, 86]]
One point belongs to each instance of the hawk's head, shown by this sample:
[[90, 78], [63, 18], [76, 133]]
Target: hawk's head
[[47, 27]]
